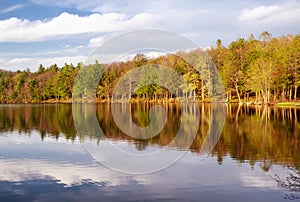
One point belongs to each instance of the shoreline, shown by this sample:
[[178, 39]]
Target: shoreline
[[170, 101]]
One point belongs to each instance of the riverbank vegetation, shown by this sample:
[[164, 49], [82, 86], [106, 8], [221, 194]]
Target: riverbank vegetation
[[258, 71]]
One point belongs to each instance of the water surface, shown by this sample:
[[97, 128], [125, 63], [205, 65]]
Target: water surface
[[42, 157]]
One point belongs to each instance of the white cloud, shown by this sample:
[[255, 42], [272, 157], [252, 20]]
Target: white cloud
[[33, 63], [12, 8], [75, 49], [261, 181], [258, 13], [68, 174], [288, 12], [202, 21], [15, 29], [98, 41], [149, 54], [68, 170]]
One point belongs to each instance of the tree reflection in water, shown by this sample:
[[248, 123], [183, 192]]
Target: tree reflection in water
[[291, 183], [255, 134]]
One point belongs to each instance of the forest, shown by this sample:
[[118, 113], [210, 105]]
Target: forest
[[259, 71]]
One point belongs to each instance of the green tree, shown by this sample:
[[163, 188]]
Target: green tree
[[34, 90]]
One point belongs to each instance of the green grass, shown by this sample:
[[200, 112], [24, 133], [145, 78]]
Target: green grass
[[288, 104]]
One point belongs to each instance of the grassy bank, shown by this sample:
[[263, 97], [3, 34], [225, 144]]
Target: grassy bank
[[288, 104], [157, 101]]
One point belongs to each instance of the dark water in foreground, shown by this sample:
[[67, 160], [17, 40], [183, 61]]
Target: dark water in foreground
[[43, 158]]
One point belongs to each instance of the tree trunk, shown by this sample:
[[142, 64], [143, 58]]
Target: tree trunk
[[283, 94], [296, 118], [295, 95], [256, 97], [237, 113], [227, 100], [265, 96], [237, 92], [202, 90]]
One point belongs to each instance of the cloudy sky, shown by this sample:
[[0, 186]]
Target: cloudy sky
[[55, 31]]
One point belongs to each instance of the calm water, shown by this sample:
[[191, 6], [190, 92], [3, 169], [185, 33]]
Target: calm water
[[43, 157]]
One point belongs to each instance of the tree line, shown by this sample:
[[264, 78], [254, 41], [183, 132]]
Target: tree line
[[268, 68], [263, 70]]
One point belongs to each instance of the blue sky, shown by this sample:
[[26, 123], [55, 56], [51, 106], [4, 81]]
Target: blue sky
[[53, 31]]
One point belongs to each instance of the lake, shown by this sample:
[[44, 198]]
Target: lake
[[231, 153]]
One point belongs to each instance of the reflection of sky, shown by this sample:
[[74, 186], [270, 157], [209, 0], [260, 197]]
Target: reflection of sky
[[63, 167]]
